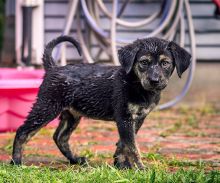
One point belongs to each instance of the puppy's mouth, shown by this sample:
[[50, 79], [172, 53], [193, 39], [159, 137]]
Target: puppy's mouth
[[160, 87], [156, 86]]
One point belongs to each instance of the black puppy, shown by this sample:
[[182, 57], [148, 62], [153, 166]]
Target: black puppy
[[125, 94]]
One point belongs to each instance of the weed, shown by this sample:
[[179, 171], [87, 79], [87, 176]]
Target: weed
[[87, 153], [46, 131], [152, 156], [176, 126], [207, 110], [192, 121], [8, 147], [184, 109]]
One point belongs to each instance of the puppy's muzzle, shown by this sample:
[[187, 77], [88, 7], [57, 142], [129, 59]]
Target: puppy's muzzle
[[154, 81], [154, 78]]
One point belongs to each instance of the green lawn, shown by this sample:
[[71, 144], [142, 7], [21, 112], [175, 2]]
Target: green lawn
[[105, 173]]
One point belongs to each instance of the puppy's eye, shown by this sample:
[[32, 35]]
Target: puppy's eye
[[144, 62], [165, 63]]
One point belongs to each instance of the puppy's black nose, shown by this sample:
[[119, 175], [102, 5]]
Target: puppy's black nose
[[154, 81]]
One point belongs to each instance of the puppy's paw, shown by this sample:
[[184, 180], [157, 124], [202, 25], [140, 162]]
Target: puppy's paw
[[79, 160], [82, 161], [125, 162], [140, 166], [15, 162], [122, 162]]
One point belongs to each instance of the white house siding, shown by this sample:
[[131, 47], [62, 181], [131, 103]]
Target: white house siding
[[207, 28]]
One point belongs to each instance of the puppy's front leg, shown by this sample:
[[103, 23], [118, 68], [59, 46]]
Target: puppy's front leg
[[119, 155], [128, 147]]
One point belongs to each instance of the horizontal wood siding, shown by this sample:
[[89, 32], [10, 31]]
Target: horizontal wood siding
[[207, 28]]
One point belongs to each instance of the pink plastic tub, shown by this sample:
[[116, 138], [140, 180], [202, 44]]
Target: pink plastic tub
[[18, 90]]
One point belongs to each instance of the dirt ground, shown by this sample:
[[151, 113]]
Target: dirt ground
[[189, 132]]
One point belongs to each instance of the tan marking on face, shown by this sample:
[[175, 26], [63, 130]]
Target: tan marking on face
[[146, 57], [164, 57]]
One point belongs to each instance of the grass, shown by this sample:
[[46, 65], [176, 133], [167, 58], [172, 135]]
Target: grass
[[193, 121], [176, 126], [159, 169], [203, 110], [104, 173], [174, 163]]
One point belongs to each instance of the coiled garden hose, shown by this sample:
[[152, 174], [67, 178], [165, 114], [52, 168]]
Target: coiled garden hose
[[172, 23]]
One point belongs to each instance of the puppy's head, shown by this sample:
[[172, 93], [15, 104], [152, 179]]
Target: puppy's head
[[153, 60]]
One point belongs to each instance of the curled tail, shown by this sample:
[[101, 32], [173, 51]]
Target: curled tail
[[48, 60]]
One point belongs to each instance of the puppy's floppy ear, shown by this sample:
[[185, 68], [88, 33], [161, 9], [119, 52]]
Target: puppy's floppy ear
[[181, 57], [127, 56]]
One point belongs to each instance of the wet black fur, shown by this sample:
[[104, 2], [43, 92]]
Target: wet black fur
[[112, 93]]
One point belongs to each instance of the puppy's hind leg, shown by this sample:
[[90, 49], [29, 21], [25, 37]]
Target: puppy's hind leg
[[41, 114], [68, 124]]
